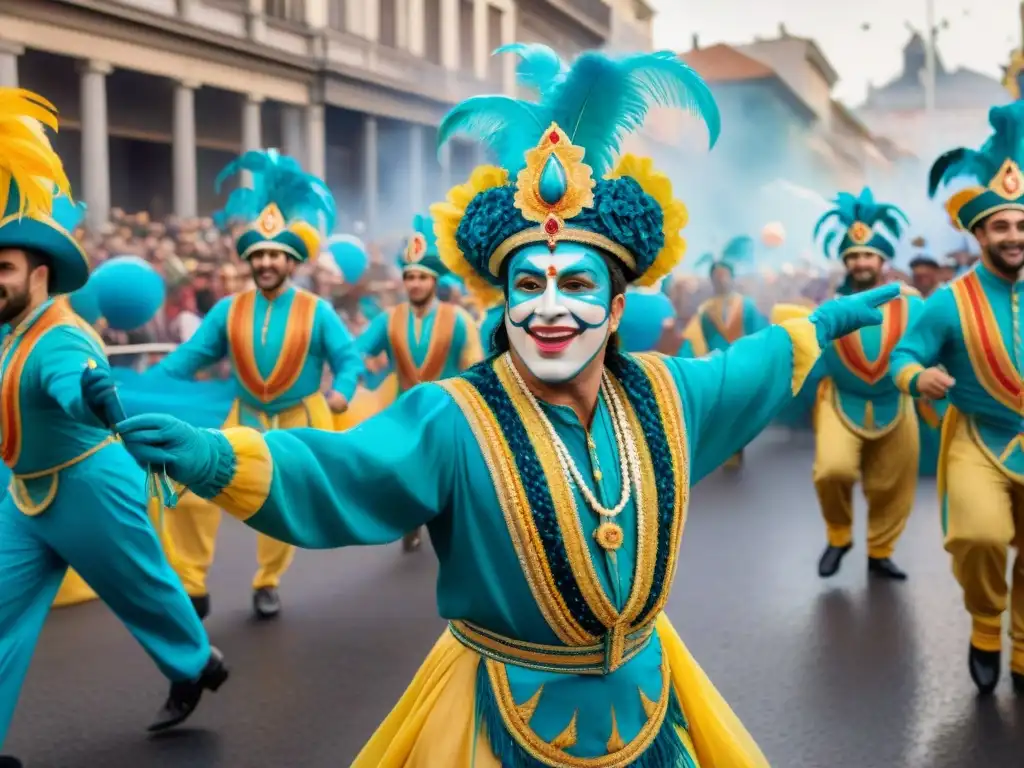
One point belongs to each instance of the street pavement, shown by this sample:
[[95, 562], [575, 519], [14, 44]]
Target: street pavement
[[848, 673]]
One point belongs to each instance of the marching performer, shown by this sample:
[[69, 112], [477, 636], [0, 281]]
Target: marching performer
[[865, 428], [279, 338], [424, 338], [555, 474], [967, 346], [76, 497]]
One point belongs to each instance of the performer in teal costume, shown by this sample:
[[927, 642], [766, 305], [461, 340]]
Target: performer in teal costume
[[966, 350], [553, 478], [76, 497], [425, 339], [279, 339], [865, 428]]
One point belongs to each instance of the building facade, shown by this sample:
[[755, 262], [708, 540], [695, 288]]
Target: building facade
[[156, 96]]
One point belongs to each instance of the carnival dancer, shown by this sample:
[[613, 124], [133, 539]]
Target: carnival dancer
[[279, 338], [728, 315], [424, 338], [865, 428], [555, 476], [967, 346], [76, 497]]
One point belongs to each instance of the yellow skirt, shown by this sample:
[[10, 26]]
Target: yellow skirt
[[433, 723]]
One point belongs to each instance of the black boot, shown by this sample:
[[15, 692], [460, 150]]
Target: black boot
[[184, 696], [831, 559], [411, 541], [202, 606], [6, 761], [984, 667], [885, 568], [266, 603]]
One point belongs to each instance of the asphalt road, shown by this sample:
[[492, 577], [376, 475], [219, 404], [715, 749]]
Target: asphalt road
[[844, 674]]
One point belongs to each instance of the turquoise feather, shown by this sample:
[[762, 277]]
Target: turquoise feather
[[67, 213], [1007, 141], [539, 68], [278, 179], [508, 127], [849, 209]]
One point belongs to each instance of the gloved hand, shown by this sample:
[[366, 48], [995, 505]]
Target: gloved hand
[[185, 454], [844, 315], [99, 393]]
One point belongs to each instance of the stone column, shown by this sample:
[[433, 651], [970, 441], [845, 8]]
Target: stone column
[[417, 28], [444, 157], [509, 24], [9, 53], [292, 142], [316, 140], [95, 142], [371, 184], [450, 28], [252, 122], [480, 41], [186, 193], [417, 166]]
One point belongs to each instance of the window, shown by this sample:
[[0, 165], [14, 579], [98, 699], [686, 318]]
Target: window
[[293, 11], [336, 15]]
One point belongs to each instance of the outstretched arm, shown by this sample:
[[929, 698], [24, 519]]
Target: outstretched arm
[[921, 346], [206, 347], [64, 353], [342, 355], [374, 339]]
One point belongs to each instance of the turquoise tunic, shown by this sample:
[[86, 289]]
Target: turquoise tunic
[[715, 317], [929, 435], [329, 344], [866, 397], [972, 327], [463, 351], [420, 462], [90, 512]]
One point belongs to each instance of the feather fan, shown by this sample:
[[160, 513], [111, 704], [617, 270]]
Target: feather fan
[[26, 157], [849, 209], [539, 67], [1007, 141]]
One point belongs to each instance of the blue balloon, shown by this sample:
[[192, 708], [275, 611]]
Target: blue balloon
[[129, 292], [350, 255], [643, 320], [85, 303]]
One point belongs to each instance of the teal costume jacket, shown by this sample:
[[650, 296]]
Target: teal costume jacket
[[519, 561]]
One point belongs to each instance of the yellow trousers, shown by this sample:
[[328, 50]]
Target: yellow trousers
[[983, 510], [195, 521], [885, 465]]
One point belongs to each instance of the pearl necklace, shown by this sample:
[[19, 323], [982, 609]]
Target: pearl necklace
[[629, 457]]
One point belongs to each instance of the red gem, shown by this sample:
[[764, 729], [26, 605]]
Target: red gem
[[551, 226], [553, 137], [552, 272]]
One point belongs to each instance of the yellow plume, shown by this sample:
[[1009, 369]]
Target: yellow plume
[[958, 201], [26, 157]]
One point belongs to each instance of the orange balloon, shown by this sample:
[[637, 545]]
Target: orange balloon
[[773, 235]]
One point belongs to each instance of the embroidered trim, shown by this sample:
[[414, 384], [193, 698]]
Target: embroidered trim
[[986, 348], [298, 335], [441, 335], [850, 348], [869, 431], [16, 352], [728, 323]]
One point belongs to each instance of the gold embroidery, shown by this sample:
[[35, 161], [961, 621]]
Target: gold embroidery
[[650, 707], [567, 738], [528, 707], [615, 742]]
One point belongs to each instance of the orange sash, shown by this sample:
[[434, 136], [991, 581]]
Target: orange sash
[[15, 355], [409, 375], [991, 362], [298, 334], [851, 349]]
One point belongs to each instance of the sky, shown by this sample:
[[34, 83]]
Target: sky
[[978, 35]]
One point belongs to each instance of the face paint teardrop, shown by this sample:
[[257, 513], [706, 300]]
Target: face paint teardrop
[[553, 181]]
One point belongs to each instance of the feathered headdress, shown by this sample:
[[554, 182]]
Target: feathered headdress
[[557, 177], [861, 224], [738, 252], [420, 252], [997, 166], [37, 212], [286, 208]]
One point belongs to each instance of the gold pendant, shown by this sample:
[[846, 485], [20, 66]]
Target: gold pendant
[[609, 536]]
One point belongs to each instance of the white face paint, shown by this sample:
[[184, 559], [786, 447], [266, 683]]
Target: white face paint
[[559, 307]]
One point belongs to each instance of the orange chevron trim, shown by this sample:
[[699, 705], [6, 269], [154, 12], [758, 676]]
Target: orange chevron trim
[[851, 348], [441, 335]]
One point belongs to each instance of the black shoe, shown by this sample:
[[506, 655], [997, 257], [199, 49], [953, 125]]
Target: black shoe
[[984, 667], [831, 559], [184, 696], [202, 606], [266, 602], [6, 761], [1017, 677], [885, 568], [411, 541]]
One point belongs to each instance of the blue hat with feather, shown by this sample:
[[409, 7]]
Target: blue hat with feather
[[996, 166], [286, 209], [861, 224], [738, 252], [559, 175], [420, 253], [37, 212]]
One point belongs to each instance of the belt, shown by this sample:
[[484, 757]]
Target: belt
[[578, 660], [19, 490]]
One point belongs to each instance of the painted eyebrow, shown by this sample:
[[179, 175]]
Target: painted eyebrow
[[531, 270]]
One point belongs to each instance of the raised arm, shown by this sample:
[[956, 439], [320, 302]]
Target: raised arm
[[340, 350], [206, 347], [312, 488], [929, 327]]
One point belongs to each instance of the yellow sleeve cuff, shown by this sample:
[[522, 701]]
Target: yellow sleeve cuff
[[247, 491], [906, 375], [806, 349]]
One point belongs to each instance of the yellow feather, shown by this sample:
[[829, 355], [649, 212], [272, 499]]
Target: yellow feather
[[959, 200], [26, 157]]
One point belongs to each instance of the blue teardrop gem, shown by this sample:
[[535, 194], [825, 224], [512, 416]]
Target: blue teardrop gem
[[553, 181]]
